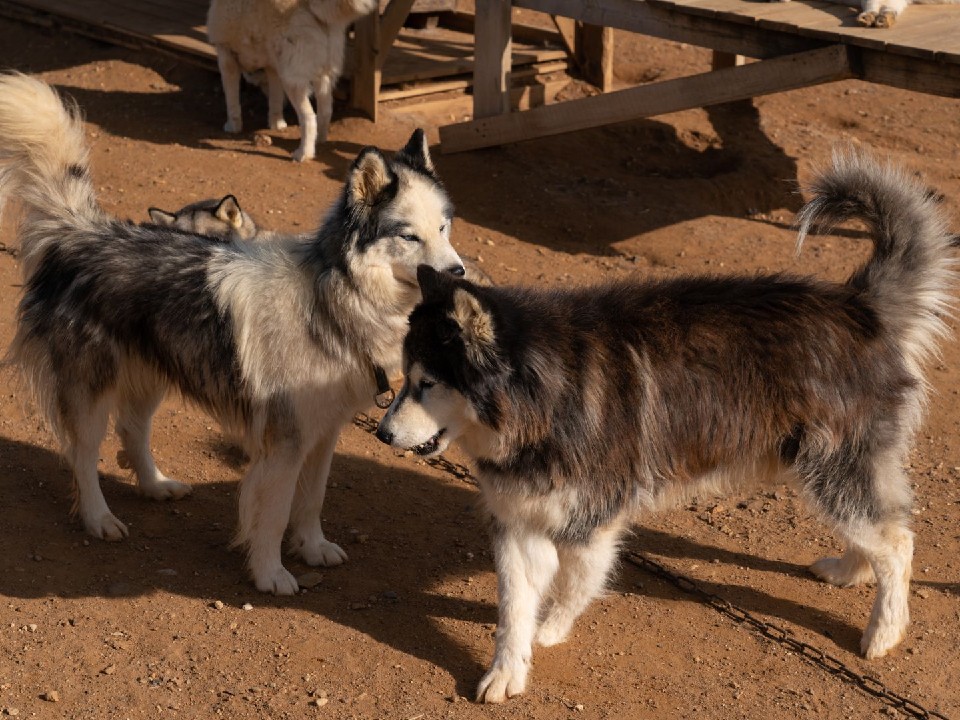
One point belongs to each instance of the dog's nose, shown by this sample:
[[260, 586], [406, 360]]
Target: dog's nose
[[457, 270], [384, 435]]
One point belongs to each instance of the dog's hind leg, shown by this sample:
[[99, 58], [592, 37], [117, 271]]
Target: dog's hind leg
[[307, 538], [230, 77], [526, 564], [266, 496], [134, 421], [583, 572], [299, 94], [86, 427], [869, 506]]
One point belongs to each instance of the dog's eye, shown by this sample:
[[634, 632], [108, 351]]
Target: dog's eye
[[426, 385], [443, 228], [410, 237]]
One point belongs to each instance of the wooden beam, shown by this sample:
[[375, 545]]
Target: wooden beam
[[390, 23], [720, 86], [595, 55], [492, 48]]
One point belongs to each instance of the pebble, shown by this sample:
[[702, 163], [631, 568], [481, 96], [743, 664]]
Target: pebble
[[318, 702], [217, 605], [109, 670], [923, 593], [262, 140], [11, 711], [247, 607], [309, 579], [50, 696]]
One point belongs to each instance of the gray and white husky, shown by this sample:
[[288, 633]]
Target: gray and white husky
[[223, 219], [282, 342], [584, 407]]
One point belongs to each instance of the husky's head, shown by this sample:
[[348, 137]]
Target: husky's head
[[221, 218], [397, 216], [454, 370]]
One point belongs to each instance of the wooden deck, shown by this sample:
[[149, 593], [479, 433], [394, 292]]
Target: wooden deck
[[178, 27], [799, 44]]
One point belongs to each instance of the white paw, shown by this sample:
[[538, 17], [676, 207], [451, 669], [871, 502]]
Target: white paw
[[503, 680], [276, 580], [879, 639], [163, 488], [278, 124], [838, 571], [315, 549], [233, 126], [867, 19], [886, 19], [553, 631], [106, 527], [302, 154]]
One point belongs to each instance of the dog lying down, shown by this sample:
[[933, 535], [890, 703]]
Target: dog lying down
[[283, 342], [583, 408]]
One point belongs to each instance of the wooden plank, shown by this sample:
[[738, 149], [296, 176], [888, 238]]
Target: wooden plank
[[567, 28], [916, 74], [659, 19], [367, 73], [466, 82], [711, 88], [492, 60], [390, 24]]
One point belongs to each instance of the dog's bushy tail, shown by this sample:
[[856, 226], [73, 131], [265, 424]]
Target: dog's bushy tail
[[43, 163], [909, 278]]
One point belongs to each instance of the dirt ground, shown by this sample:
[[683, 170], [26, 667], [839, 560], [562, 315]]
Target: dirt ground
[[165, 624]]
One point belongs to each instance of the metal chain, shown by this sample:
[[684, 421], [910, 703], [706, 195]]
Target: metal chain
[[817, 657]]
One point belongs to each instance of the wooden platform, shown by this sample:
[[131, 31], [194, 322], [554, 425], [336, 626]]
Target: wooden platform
[[800, 43], [178, 27]]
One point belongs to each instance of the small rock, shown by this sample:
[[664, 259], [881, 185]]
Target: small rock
[[923, 593], [390, 595], [11, 711], [247, 606], [309, 579], [32, 627], [109, 670], [50, 696], [217, 605], [318, 702], [166, 571], [262, 140]]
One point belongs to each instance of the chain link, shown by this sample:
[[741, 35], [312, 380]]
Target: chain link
[[817, 657]]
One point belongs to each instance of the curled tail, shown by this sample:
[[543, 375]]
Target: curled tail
[[909, 279], [43, 163]]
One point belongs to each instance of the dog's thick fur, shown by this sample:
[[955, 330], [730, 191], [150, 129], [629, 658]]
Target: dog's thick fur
[[584, 407], [884, 13], [277, 340], [223, 219], [299, 44]]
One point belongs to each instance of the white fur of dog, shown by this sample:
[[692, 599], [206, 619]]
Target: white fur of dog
[[299, 44]]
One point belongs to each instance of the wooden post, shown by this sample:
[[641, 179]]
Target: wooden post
[[492, 47], [366, 74], [595, 55]]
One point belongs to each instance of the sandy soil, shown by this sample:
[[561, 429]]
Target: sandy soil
[[166, 624]]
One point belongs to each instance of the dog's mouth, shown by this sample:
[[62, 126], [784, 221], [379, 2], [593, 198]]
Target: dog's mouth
[[430, 446]]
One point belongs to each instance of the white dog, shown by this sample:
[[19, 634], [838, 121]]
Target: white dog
[[297, 43], [884, 13]]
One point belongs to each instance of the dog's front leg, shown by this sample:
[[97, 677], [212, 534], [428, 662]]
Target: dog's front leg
[[266, 495], [299, 94], [307, 537], [230, 77], [526, 564]]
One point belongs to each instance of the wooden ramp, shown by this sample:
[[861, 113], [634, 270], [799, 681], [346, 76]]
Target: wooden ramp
[[178, 27], [799, 44]]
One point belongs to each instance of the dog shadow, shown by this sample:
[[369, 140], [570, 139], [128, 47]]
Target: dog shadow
[[397, 526], [609, 184]]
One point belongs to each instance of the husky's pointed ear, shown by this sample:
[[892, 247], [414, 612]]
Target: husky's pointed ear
[[416, 153], [476, 326], [229, 211], [370, 175], [161, 217]]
